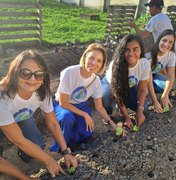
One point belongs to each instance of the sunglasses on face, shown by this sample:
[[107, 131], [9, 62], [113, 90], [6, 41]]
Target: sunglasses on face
[[27, 74]]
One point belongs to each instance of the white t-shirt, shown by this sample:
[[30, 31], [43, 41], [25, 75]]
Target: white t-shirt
[[157, 24], [73, 84], [141, 71], [18, 109], [167, 60]]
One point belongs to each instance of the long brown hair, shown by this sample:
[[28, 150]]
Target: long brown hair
[[155, 49], [9, 84]]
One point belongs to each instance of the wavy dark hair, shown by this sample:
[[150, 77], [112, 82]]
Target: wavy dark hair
[[119, 83], [155, 49], [9, 84]]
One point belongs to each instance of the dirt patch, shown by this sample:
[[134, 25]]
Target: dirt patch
[[149, 153]]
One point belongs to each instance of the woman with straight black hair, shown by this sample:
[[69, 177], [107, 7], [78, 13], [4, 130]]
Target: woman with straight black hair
[[163, 59]]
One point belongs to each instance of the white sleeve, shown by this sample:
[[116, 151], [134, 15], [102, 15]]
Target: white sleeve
[[6, 117], [109, 72], [63, 85], [172, 59], [146, 70], [151, 25], [47, 105]]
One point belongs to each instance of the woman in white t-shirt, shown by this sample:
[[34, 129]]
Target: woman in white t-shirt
[[77, 84], [25, 88], [129, 79], [163, 59]]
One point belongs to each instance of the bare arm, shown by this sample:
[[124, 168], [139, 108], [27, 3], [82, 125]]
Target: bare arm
[[9, 169], [12, 131], [124, 112], [56, 131], [101, 110], [141, 96], [169, 83], [142, 33], [155, 102]]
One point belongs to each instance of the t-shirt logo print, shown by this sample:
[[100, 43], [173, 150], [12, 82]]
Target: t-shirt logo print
[[23, 114], [158, 67], [78, 94], [132, 81]]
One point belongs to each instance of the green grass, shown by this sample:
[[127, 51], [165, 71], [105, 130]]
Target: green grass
[[62, 22]]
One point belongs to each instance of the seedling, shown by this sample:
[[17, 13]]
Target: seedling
[[71, 170], [166, 109], [119, 131], [135, 128]]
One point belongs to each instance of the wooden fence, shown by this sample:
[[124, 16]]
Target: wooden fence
[[171, 11], [117, 23], [20, 23]]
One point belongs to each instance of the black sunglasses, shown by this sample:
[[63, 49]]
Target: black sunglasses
[[27, 74]]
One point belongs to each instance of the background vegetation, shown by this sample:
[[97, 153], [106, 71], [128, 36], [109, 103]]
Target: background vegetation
[[62, 22]]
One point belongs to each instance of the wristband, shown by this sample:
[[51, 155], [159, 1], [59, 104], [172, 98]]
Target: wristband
[[66, 151]]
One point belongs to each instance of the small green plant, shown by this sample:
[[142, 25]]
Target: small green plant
[[71, 170]]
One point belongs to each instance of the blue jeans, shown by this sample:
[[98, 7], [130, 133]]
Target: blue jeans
[[107, 99], [159, 82], [73, 126], [30, 132]]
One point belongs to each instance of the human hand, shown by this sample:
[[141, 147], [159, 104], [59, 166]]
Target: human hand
[[71, 161], [120, 130], [54, 168], [140, 118], [157, 107], [128, 123], [165, 101], [89, 122], [131, 24]]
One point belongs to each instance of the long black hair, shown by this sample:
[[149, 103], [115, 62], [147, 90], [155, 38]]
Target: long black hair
[[155, 50], [119, 82]]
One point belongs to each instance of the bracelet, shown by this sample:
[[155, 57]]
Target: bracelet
[[141, 107]]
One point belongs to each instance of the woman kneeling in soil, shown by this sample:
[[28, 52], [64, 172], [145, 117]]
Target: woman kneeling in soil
[[77, 84], [25, 88], [129, 78], [162, 58]]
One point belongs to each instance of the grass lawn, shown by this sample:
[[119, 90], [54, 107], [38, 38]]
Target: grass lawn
[[62, 22]]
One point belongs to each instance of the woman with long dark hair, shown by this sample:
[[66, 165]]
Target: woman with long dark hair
[[163, 59], [129, 78], [25, 88]]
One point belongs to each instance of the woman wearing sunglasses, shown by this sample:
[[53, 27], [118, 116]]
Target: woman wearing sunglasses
[[77, 84], [25, 88]]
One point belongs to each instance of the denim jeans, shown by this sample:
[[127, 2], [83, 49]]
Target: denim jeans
[[31, 132], [73, 126], [107, 99], [159, 82]]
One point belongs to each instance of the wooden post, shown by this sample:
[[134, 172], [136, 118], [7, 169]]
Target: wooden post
[[39, 9]]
